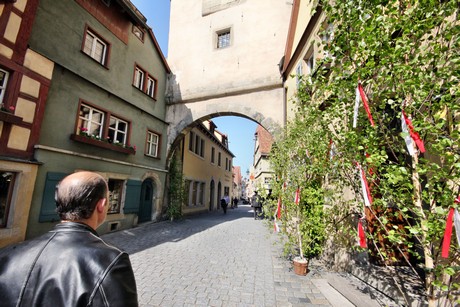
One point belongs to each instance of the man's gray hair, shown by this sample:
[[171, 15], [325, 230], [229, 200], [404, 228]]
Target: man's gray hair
[[76, 200]]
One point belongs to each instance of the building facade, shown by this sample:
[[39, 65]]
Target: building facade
[[207, 168], [237, 182], [24, 85], [236, 47], [308, 33], [104, 111], [262, 172]]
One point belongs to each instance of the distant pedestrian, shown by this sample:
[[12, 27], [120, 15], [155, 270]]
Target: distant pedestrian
[[70, 265], [235, 203], [256, 203], [224, 203]]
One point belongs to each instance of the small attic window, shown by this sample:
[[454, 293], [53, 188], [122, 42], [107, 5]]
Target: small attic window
[[138, 32], [223, 38]]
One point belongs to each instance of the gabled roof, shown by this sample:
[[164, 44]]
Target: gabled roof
[[264, 139], [139, 19]]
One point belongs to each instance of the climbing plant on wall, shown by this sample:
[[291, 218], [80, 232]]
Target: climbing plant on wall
[[394, 66], [176, 192]]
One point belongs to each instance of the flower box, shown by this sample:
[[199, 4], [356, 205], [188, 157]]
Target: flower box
[[10, 118], [102, 144]]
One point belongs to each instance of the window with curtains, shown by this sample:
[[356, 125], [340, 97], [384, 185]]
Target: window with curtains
[[145, 82], [153, 141], [4, 75], [102, 125], [96, 47], [115, 195]]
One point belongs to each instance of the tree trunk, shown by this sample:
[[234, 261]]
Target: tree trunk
[[427, 248]]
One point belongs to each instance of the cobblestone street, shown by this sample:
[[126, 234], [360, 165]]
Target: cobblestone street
[[219, 260]]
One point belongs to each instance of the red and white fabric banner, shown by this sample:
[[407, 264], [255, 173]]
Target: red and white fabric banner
[[453, 218], [297, 196], [364, 186], [276, 228], [361, 96], [361, 235], [278, 209], [457, 225], [413, 136], [447, 234]]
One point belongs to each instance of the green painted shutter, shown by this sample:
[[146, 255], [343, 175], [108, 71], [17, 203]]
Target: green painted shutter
[[48, 208], [133, 196]]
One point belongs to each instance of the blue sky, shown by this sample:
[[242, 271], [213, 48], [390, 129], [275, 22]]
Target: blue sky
[[240, 131]]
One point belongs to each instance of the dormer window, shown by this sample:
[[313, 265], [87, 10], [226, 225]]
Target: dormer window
[[138, 32]]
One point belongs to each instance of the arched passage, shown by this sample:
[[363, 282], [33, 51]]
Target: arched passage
[[264, 107], [209, 179]]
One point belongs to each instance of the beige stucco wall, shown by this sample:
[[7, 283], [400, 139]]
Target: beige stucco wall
[[38, 63], [19, 138], [20, 203], [241, 79], [305, 14], [12, 28], [258, 31], [25, 109], [20, 4]]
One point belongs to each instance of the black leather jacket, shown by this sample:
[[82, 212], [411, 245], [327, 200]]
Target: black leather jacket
[[69, 266]]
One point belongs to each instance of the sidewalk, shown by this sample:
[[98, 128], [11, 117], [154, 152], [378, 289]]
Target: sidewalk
[[229, 260]]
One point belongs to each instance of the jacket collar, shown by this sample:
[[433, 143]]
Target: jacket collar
[[74, 226]]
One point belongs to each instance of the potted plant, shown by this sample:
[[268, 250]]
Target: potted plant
[[302, 161], [307, 228]]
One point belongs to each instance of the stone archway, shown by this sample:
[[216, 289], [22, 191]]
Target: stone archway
[[265, 107]]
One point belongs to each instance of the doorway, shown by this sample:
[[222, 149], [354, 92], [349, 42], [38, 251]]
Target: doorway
[[146, 201], [219, 194], [211, 196]]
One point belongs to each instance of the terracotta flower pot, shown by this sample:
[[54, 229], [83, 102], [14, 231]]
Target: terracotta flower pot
[[300, 266]]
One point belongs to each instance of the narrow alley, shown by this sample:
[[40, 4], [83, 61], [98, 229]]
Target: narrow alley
[[227, 260]]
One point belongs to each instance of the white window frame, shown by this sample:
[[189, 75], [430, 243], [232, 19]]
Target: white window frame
[[117, 131], [90, 47], [298, 75], [327, 37], [151, 84], [3, 84], [139, 76], [152, 146], [89, 123], [310, 62], [138, 32]]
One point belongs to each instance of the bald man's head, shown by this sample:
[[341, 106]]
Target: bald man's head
[[77, 195]]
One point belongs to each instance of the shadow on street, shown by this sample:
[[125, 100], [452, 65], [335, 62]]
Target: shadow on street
[[140, 238]]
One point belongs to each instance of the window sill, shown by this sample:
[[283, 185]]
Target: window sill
[[10, 118], [152, 157], [102, 144], [153, 98]]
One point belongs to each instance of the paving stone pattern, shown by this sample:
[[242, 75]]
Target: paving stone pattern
[[214, 260]]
